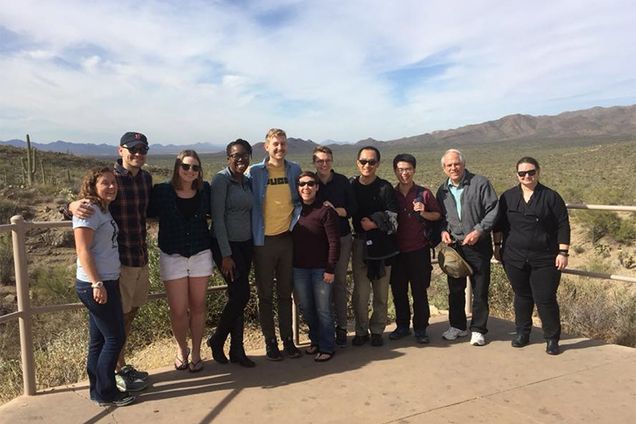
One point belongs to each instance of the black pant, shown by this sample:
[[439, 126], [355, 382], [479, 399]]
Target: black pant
[[536, 285], [414, 267], [478, 256], [232, 321]]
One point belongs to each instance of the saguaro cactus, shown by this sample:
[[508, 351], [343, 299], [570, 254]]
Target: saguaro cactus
[[29, 163]]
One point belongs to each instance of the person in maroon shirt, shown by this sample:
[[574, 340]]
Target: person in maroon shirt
[[316, 239], [417, 206]]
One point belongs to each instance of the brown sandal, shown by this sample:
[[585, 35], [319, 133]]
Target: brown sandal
[[181, 364], [323, 356], [312, 350]]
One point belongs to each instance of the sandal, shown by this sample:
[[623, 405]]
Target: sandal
[[196, 366], [181, 364], [312, 350], [323, 356]]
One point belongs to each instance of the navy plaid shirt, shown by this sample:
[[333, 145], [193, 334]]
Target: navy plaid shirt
[[129, 211]]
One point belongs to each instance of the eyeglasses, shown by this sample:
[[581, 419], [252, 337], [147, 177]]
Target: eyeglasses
[[142, 150], [323, 161], [530, 173], [239, 156], [404, 170], [306, 183], [187, 166], [371, 162]]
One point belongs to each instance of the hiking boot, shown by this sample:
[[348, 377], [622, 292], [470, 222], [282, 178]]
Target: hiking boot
[[360, 340], [341, 336], [453, 333], [520, 340], [290, 349], [122, 399], [216, 346], [399, 332], [238, 356], [377, 340], [126, 383], [272, 352], [134, 373]]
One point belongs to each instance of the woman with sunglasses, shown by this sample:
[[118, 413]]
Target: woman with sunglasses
[[532, 238], [185, 261], [316, 238], [232, 249]]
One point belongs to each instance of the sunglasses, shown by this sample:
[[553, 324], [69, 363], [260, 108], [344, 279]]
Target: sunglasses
[[187, 166], [239, 156], [138, 149], [306, 183], [530, 173], [371, 162]]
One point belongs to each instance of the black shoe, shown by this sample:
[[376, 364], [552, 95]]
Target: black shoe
[[421, 337], [341, 336], [216, 347], [238, 356], [360, 340], [399, 332], [377, 340], [272, 352], [290, 349], [552, 347], [520, 340]]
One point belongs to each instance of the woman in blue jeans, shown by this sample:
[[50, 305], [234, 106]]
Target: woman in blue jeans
[[316, 251], [97, 286]]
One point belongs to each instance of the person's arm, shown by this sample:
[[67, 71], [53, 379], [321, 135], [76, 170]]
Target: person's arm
[[83, 240], [82, 208], [332, 232], [219, 188], [560, 212], [489, 202], [428, 208]]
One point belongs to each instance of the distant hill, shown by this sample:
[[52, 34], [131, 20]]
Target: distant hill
[[598, 122]]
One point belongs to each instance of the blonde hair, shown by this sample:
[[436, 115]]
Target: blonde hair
[[275, 132]]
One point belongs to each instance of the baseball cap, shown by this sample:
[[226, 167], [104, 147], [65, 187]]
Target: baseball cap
[[132, 139]]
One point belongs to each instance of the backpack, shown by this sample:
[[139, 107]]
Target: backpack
[[432, 229]]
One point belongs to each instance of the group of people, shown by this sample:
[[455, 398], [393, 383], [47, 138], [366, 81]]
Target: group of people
[[294, 226]]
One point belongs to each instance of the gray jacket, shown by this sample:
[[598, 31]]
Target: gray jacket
[[479, 206]]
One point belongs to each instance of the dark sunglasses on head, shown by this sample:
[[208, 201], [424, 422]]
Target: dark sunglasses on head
[[138, 149], [530, 172], [306, 183], [187, 166], [371, 162], [239, 156]]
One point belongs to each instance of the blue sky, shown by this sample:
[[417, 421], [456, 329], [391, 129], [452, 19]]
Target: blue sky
[[212, 71]]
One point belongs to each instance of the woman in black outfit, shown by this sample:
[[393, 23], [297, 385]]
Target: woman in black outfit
[[532, 238]]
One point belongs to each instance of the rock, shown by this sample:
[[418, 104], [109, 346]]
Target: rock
[[9, 299]]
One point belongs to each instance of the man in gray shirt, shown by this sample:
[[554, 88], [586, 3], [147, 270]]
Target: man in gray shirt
[[469, 205]]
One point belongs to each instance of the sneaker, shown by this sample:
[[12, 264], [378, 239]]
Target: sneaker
[[377, 340], [125, 383], [290, 349], [452, 333], [134, 373], [477, 339], [272, 352], [399, 332], [123, 399], [360, 340], [421, 337], [341, 337]]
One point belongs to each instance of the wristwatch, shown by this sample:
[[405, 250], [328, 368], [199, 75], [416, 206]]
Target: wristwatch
[[97, 285]]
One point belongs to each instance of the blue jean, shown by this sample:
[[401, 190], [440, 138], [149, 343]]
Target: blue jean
[[314, 296], [106, 338]]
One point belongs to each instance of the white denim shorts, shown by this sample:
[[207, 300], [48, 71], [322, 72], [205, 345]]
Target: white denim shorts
[[174, 267]]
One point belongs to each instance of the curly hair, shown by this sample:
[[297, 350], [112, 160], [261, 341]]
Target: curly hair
[[88, 189]]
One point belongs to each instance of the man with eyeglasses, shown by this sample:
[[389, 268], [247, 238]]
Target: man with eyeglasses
[[129, 211], [374, 224], [275, 212], [469, 206]]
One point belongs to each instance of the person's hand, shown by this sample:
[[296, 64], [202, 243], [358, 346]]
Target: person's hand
[[328, 278], [446, 238], [100, 295], [497, 252], [81, 208], [561, 262], [227, 267], [418, 206], [328, 204], [471, 238], [367, 224]]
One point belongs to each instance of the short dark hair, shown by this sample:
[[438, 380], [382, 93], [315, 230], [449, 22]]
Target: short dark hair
[[176, 180], [404, 157], [239, 142], [375, 149], [321, 149], [530, 160], [307, 174]]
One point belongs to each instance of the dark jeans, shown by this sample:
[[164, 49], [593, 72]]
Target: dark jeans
[[238, 291], [536, 285], [106, 338], [415, 268], [273, 261], [478, 256], [314, 300]]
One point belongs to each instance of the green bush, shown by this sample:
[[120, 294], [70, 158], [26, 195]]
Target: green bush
[[6, 259]]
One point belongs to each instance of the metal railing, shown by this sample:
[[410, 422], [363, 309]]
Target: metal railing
[[25, 312]]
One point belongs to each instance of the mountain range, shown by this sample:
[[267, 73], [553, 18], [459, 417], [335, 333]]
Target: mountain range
[[598, 122]]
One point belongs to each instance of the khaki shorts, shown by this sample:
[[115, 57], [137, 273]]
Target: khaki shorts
[[134, 285]]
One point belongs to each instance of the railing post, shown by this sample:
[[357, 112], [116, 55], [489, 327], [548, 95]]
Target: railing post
[[24, 303], [468, 306]]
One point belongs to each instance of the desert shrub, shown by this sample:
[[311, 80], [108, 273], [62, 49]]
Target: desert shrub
[[7, 210], [500, 296], [601, 224], [6, 259], [53, 285]]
